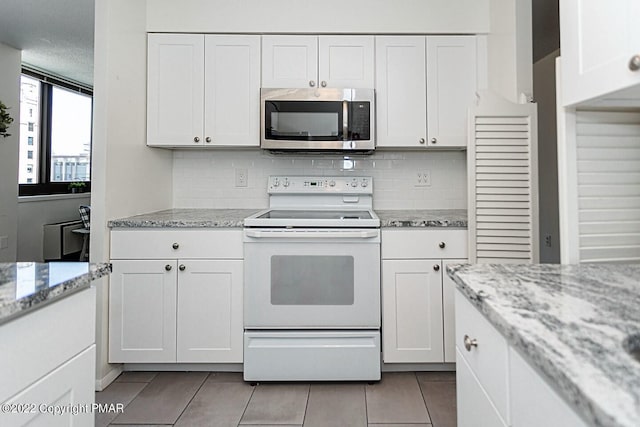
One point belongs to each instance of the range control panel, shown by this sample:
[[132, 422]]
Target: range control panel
[[280, 184]]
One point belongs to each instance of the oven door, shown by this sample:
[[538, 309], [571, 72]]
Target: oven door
[[312, 279]]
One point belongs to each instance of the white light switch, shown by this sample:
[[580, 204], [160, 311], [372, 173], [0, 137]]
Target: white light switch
[[4, 242]]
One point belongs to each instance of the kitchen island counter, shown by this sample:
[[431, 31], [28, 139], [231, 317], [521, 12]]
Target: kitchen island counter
[[26, 286], [571, 323]]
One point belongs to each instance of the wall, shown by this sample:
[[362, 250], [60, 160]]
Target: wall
[[34, 212], [206, 179], [319, 16], [10, 61], [544, 92], [127, 177]]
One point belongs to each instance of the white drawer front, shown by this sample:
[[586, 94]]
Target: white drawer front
[[489, 359], [413, 243], [173, 244]]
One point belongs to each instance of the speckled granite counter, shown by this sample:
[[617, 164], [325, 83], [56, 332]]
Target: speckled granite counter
[[26, 286], [571, 322], [186, 218], [423, 218]]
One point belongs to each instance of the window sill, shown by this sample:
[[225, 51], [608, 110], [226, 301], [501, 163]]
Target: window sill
[[47, 197]]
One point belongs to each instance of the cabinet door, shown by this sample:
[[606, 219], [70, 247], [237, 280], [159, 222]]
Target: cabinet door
[[71, 385], [598, 41], [175, 89], [451, 88], [232, 100], [209, 311], [412, 311], [346, 61], [289, 61], [448, 311], [401, 105], [474, 407], [142, 311]]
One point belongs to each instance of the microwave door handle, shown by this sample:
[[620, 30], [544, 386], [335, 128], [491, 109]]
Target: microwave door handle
[[345, 120]]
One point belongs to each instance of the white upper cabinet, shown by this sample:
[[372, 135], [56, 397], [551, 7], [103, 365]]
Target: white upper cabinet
[[424, 86], [451, 88], [317, 61], [175, 89], [600, 47], [401, 87], [203, 90]]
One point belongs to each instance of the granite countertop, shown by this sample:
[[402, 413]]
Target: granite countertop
[[423, 218], [234, 218], [570, 321], [186, 218], [26, 286]]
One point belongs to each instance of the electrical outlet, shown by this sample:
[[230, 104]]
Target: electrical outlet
[[547, 240], [242, 177], [423, 179]]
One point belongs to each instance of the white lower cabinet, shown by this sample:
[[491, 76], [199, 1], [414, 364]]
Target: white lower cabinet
[[176, 310], [417, 303], [496, 386]]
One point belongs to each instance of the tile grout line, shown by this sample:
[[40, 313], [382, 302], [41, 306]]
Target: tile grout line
[[244, 411], [191, 400], [306, 405], [424, 399]]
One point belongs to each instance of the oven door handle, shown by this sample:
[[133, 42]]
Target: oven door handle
[[261, 234]]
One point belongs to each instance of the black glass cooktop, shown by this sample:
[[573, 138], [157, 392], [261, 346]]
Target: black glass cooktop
[[316, 214]]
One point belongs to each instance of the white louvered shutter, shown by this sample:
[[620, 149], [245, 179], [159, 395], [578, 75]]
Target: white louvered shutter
[[608, 185], [503, 182]]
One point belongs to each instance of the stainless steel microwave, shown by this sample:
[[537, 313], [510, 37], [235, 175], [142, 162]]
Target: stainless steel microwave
[[317, 119]]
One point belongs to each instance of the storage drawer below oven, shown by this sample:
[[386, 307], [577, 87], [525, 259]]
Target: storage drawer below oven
[[312, 355]]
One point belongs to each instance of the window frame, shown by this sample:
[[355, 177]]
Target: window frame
[[45, 186]]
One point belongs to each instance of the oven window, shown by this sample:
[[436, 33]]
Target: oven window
[[312, 280]]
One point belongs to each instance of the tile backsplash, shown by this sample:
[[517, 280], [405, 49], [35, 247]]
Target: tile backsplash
[[207, 179]]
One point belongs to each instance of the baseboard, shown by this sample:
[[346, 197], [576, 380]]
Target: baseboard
[[102, 383]]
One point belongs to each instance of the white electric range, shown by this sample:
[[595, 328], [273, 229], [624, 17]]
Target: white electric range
[[312, 282]]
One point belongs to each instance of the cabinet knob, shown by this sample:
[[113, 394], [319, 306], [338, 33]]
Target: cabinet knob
[[468, 342], [434, 140], [175, 246], [441, 245], [196, 139], [634, 63], [208, 139], [182, 267], [323, 84], [168, 267], [422, 141], [312, 83], [436, 267]]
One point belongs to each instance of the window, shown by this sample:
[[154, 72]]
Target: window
[[55, 137]]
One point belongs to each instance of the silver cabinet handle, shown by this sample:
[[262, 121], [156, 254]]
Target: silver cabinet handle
[[182, 267], [175, 246], [634, 63], [468, 342], [168, 267], [436, 267], [312, 83], [208, 139], [441, 245], [434, 140], [422, 141], [323, 84], [196, 139]]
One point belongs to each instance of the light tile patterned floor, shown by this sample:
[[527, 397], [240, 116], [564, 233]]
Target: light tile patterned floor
[[224, 399]]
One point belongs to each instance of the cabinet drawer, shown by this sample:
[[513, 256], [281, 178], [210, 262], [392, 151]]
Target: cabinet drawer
[[489, 360], [172, 244], [412, 243]]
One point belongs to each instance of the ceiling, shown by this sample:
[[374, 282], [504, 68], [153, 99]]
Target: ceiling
[[57, 36]]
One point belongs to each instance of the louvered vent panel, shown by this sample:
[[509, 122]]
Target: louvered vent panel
[[502, 194], [608, 154]]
